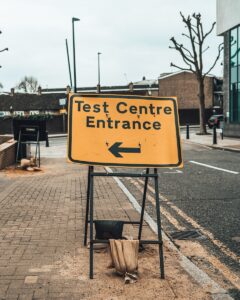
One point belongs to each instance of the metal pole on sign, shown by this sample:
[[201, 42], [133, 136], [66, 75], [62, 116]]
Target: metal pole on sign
[[161, 257], [87, 207], [143, 206], [91, 189]]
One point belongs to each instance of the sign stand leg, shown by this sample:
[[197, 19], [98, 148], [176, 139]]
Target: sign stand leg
[[143, 206], [91, 221], [161, 258], [90, 206], [87, 209]]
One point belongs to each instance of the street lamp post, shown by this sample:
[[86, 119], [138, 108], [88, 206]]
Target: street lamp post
[[74, 59], [99, 85], [69, 66]]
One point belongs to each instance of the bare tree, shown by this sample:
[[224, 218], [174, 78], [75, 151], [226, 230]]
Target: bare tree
[[193, 57], [28, 84]]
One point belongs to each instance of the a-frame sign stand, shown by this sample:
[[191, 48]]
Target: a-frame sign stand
[[90, 206], [124, 131]]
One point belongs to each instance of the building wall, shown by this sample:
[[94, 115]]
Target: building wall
[[226, 71], [153, 93], [227, 15], [7, 151], [185, 87], [230, 129]]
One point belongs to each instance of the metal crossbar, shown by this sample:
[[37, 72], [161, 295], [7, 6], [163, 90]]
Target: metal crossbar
[[123, 174]]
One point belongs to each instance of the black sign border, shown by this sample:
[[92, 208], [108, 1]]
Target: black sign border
[[116, 164]]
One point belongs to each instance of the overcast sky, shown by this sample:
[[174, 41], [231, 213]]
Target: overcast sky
[[133, 36]]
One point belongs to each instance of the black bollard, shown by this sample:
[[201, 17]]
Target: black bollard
[[187, 132], [214, 135], [47, 140]]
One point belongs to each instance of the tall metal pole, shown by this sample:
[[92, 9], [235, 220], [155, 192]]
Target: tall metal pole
[[74, 58], [99, 84], [99, 53], [69, 66]]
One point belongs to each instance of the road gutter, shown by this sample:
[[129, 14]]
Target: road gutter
[[217, 293]]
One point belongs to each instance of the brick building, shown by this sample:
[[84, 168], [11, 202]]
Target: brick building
[[184, 86]]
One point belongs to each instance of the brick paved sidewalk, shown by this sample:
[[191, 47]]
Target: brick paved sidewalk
[[41, 233]]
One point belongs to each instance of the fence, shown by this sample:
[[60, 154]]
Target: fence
[[54, 125]]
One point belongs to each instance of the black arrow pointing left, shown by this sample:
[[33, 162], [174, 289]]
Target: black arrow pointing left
[[115, 149]]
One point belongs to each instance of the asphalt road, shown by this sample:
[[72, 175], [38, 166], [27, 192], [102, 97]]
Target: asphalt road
[[210, 196]]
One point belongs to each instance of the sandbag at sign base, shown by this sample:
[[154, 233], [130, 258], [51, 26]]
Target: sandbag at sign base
[[25, 163], [124, 257], [29, 165]]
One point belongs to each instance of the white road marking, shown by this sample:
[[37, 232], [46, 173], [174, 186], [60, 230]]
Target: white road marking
[[212, 167], [173, 172]]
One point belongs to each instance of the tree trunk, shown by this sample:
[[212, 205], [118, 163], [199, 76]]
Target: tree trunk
[[201, 97]]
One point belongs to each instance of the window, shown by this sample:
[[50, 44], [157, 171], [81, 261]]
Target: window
[[235, 75]]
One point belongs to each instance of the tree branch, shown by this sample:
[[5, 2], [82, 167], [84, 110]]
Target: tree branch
[[220, 48], [201, 29], [194, 29], [179, 48], [200, 40], [181, 68], [206, 34], [184, 34], [190, 54], [205, 49], [192, 39]]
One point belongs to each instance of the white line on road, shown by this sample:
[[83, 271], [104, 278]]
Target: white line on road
[[212, 167], [173, 172]]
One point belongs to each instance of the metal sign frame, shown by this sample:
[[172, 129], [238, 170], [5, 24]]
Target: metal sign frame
[[178, 164], [90, 206], [89, 219]]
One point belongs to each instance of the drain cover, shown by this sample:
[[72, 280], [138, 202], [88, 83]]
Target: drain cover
[[185, 235]]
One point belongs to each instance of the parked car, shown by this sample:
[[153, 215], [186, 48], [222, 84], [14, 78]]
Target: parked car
[[215, 120]]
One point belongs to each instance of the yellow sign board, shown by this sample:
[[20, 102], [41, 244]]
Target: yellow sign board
[[124, 131]]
